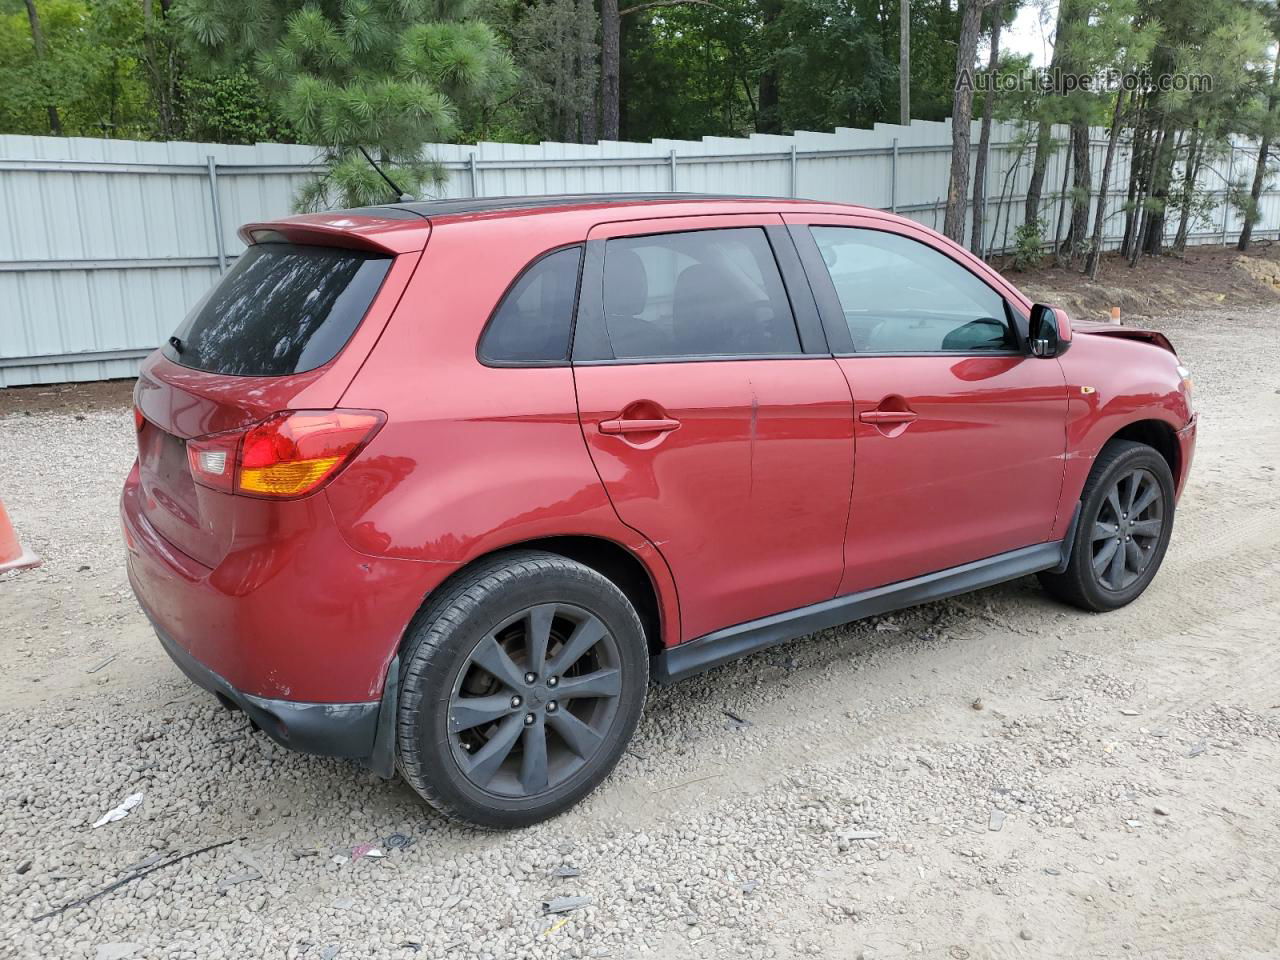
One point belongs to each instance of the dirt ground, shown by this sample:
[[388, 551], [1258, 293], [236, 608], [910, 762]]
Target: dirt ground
[[1205, 277], [994, 776]]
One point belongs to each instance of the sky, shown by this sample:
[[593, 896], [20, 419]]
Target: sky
[[1032, 32]]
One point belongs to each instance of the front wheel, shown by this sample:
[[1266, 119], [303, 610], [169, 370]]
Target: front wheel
[[523, 681], [1126, 517]]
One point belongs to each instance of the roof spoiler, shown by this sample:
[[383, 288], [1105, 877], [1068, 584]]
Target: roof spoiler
[[391, 235]]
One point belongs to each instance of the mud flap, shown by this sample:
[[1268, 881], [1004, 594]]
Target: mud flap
[[382, 760]]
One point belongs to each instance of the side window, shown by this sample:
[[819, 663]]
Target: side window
[[696, 294], [533, 321], [902, 296]]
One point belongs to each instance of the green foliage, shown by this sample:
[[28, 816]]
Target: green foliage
[[1202, 204], [90, 74], [556, 48], [1028, 246], [692, 71], [383, 75], [229, 108], [835, 68]]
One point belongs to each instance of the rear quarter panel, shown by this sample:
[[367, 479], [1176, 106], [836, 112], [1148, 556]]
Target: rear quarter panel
[[474, 458], [1128, 381]]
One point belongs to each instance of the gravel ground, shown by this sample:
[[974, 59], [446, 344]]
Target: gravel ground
[[993, 776]]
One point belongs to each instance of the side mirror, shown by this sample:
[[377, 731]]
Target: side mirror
[[1049, 333]]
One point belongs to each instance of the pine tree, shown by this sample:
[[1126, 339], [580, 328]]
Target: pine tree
[[380, 77]]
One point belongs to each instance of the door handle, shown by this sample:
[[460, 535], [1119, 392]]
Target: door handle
[[638, 426], [887, 416]]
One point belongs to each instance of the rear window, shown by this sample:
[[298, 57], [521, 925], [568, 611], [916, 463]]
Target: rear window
[[283, 308]]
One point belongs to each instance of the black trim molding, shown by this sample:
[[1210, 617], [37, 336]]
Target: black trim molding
[[723, 646], [328, 729]]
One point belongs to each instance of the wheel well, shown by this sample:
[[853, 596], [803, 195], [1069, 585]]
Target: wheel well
[[617, 564], [608, 559], [1155, 434]]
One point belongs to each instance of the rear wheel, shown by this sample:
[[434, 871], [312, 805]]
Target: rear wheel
[[524, 680], [1126, 517]]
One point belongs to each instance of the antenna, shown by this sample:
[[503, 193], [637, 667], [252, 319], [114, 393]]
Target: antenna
[[404, 197]]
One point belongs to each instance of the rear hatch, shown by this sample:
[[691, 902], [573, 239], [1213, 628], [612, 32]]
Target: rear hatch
[[285, 329]]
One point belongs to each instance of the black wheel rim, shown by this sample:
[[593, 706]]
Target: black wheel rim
[[534, 700], [1127, 530]]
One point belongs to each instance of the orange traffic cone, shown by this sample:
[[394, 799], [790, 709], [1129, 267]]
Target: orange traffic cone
[[12, 556]]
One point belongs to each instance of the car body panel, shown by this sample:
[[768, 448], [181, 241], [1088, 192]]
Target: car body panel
[[475, 458], [1113, 382], [308, 600], [977, 473], [748, 497], [290, 611]]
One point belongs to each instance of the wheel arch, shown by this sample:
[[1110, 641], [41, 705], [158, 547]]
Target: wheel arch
[[1157, 434], [1154, 432], [643, 586]]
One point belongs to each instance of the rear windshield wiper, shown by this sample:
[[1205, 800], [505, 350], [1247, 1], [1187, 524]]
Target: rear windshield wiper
[[176, 343]]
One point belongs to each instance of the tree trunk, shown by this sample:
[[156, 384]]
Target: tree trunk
[[37, 38], [1141, 149], [610, 69], [1145, 189], [1003, 205], [1062, 208], [1161, 174], [586, 64], [904, 62], [1189, 176], [767, 117], [1100, 217], [587, 131], [1082, 184], [1259, 179], [1039, 164], [961, 120], [1067, 10], [977, 244], [1260, 171]]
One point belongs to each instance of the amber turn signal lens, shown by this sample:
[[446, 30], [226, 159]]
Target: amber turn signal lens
[[295, 452]]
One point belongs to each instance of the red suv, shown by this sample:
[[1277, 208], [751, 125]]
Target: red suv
[[440, 485]]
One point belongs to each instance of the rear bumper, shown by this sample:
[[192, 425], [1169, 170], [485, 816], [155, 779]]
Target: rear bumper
[[328, 729], [291, 614]]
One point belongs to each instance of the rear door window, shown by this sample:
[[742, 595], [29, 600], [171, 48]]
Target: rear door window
[[695, 294], [283, 308]]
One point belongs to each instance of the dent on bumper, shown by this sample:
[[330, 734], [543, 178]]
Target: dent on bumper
[[328, 729]]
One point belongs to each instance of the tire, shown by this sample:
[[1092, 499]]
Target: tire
[[1123, 471], [466, 696]]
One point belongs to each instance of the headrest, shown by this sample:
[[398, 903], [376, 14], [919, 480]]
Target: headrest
[[626, 284]]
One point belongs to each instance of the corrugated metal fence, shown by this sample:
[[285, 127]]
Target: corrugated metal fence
[[108, 243]]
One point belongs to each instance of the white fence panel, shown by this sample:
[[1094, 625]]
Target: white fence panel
[[107, 243]]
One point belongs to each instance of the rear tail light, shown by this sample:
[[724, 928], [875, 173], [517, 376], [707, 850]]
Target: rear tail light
[[138, 419], [289, 454], [213, 460]]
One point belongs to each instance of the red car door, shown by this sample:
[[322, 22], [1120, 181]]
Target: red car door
[[960, 433], [717, 419]]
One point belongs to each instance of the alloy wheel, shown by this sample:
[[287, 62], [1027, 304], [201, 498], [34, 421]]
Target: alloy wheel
[[1127, 529], [534, 700]]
